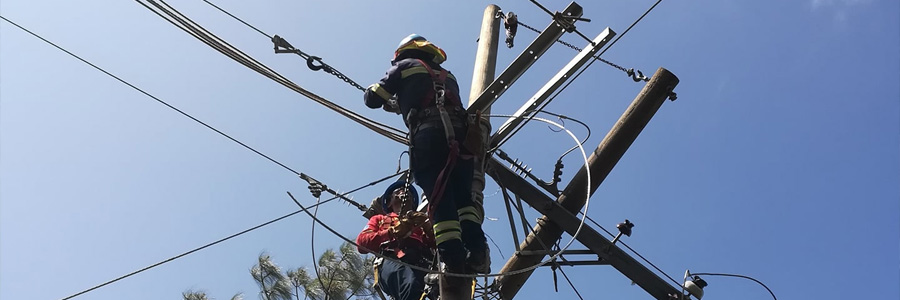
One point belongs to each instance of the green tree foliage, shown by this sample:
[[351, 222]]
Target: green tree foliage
[[201, 295], [273, 284], [342, 275]]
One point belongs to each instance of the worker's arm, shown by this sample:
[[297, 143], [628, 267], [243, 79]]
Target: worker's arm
[[379, 93], [375, 233]]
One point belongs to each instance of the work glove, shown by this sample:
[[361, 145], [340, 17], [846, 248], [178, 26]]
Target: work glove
[[408, 223], [416, 218], [402, 230], [391, 106], [374, 208]]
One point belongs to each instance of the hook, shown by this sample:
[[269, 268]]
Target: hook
[[311, 59], [637, 78]]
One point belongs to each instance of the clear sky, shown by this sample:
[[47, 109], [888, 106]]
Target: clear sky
[[779, 160]]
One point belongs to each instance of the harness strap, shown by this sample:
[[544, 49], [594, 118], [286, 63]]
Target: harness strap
[[440, 92], [442, 178]]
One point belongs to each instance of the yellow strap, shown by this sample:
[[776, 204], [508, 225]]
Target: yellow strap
[[376, 276]]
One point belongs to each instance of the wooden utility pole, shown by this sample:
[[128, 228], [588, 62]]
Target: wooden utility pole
[[560, 215], [483, 75]]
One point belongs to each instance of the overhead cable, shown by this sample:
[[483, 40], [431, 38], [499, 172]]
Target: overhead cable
[[281, 43], [153, 97], [182, 22], [302, 176], [508, 273], [303, 209]]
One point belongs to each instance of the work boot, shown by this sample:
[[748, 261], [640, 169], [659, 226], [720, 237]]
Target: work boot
[[456, 288], [479, 260]]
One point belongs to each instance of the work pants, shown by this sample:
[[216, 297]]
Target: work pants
[[401, 281], [457, 223]]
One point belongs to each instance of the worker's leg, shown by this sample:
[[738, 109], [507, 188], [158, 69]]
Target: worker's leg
[[470, 217], [401, 281], [429, 155]]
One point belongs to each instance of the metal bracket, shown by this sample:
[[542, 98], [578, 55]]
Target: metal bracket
[[523, 61], [539, 100]]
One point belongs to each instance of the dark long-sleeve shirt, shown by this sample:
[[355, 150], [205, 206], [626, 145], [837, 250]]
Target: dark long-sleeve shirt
[[410, 82]]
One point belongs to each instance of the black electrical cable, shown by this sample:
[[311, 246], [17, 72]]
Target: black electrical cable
[[569, 82], [570, 283], [153, 97], [576, 121], [309, 58], [634, 251], [239, 19], [223, 239], [182, 22], [739, 276], [312, 245]]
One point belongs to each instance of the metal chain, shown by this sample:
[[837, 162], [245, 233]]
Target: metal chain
[[629, 72], [345, 78], [282, 46]]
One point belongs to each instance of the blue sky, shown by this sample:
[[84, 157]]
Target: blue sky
[[779, 160]]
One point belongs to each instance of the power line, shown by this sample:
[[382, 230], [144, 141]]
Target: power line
[[182, 22], [634, 251], [153, 97], [186, 253], [629, 72], [303, 209], [302, 176], [597, 57], [570, 283], [739, 276], [208, 126], [280, 42], [239, 19]]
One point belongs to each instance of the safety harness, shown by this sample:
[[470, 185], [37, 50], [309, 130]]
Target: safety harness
[[439, 100]]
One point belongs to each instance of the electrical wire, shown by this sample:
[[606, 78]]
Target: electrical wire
[[588, 128], [523, 270], [153, 97], [207, 126], [588, 185], [570, 283], [239, 19], [740, 276], [312, 245], [224, 239], [172, 107], [597, 57], [177, 19], [634, 251], [309, 59]]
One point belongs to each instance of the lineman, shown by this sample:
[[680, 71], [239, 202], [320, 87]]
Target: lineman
[[398, 233], [427, 96]]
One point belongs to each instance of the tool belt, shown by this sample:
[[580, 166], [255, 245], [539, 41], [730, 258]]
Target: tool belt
[[419, 119]]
